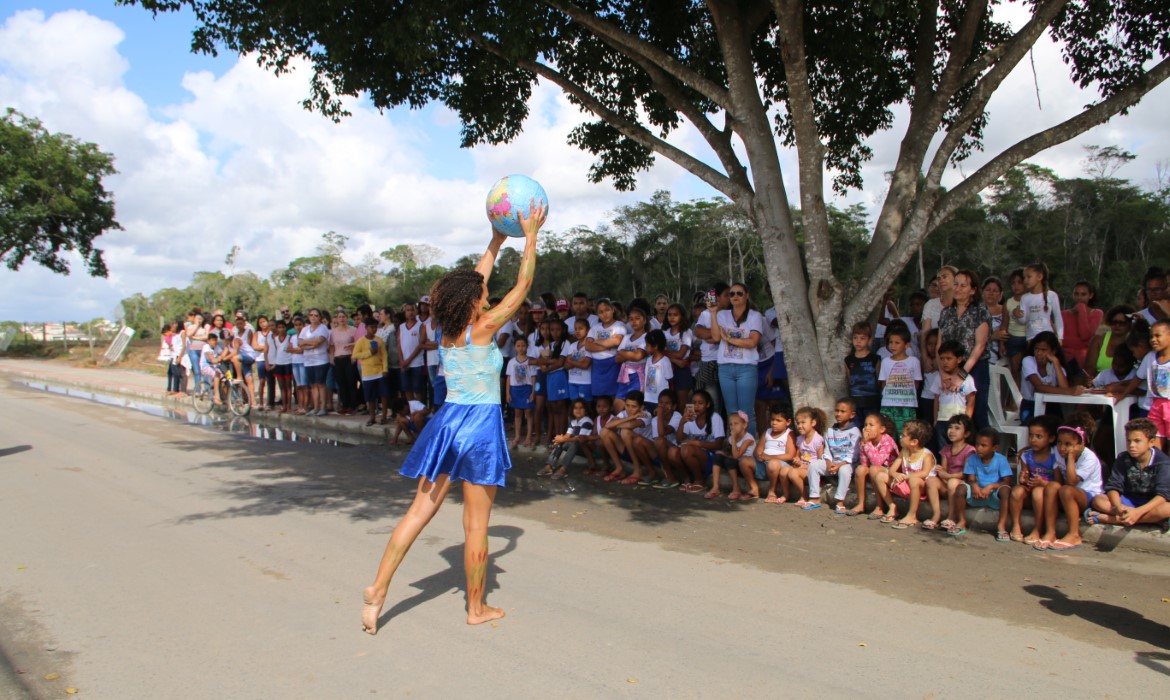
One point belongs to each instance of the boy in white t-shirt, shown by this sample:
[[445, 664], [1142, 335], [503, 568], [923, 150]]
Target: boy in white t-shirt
[[953, 389], [900, 379]]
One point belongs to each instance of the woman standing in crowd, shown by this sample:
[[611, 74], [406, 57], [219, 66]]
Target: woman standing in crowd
[[1080, 324], [738, 331], [967, 321]]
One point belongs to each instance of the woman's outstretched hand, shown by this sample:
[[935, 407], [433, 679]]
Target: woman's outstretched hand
[[532, 224]]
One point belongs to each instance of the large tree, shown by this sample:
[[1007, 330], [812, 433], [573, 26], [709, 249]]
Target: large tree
[[749, 76], [51, 196]]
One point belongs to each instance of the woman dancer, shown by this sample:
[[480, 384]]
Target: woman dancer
[[464, 441]]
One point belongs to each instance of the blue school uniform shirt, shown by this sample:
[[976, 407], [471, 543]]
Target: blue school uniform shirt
[[988, 474]]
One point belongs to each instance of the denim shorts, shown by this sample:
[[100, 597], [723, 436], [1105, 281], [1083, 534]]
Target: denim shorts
[[315, 374], [300, 376]]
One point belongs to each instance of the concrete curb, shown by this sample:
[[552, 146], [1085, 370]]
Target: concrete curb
[[981, 520]]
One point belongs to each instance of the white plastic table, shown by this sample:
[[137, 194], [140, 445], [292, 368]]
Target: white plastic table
[[1120, 409]]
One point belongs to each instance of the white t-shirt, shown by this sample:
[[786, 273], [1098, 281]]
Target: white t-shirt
[[508, 349], [1037, 319], [576, 351], [1029, 368], [929, 386], [951, 403], [245, 349], [713, 431], [280, 353], [1088, 468], [294, 341], [733, 354], [671, 427], [776, 445], [1110, 377], [1155, 375], [899, 377], [674, 342], [600, 332], [710, 351], [581, 426], [658, 376], [409, 338], [773, 322], [746, 441], [931, 310], [915, 344], [521, 373], [432, 356], [320, 354], [646, 430]]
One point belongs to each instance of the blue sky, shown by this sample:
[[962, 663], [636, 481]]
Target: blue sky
[[214, 152]]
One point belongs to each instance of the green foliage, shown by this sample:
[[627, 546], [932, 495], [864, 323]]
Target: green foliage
[[51, 196]]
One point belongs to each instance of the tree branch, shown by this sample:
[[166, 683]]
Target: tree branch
[[629, 128], [809, 149], [718, 139], [1070, 128], [928, 217], [633, 46]]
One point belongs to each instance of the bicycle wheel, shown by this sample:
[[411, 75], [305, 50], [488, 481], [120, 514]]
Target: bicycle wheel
[[201, 400], [240, 399]]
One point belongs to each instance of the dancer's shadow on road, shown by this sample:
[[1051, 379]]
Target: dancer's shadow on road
[[1121, 620], [453, 578]]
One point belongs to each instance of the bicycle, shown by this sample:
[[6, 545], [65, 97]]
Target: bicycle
[[233, 393]]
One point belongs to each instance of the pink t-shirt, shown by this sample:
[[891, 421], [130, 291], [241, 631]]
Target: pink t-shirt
[[343, 340], [882, 454], [811, 448], [955, 462]]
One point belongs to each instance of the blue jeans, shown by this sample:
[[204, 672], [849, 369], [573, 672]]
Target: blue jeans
[[738, 385]]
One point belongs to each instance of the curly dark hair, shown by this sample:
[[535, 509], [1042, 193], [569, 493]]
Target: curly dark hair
[[453, 296]]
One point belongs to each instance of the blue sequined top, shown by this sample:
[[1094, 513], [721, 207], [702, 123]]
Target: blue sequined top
[[472, 372]]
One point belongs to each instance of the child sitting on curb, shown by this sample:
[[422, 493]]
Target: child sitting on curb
[[989, 485], [1138, 490]]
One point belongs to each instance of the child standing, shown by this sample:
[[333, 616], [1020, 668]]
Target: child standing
[[907, 477], [577, 360], [989, 479], [658, 369], [776, 449], [739, 446], [1037, 469], [1138, 490], [842, 442], [678, 348], [370, 353], [568, 444], [810, 452], [864, 367], [1155, 370], [1078, 481], [900, 379], [1040, 307], [878, 452], [521, 379], [948, 475], [951, 402]]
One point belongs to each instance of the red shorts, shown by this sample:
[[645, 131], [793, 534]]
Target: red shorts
[[1160, 414]]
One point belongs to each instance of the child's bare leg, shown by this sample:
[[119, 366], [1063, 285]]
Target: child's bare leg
[[1038, 511], [646, 455], [957, 508], [1075, 502], [1051, 510], [916, 486], [610, 440], [733, 474], [934, 487], [785, 482], [1019, 493], [881, 484], [628, 436], [859, 477], [716, 474], [747, 467], [693, 458], [773, 468], [530, 416], [796, 477]]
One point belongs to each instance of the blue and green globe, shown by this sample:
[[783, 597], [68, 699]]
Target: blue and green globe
[[512, 195]]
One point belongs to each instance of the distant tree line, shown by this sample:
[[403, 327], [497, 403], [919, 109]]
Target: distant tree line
[[1096, 227]]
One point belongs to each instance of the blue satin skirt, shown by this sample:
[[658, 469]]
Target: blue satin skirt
[[465, 442]]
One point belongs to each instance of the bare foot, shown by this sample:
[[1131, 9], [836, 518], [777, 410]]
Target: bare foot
[[371, 609], [486, 615]]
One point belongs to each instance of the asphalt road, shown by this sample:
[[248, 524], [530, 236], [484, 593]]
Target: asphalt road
[[144, 558]]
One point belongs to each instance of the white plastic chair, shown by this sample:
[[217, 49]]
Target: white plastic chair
[[1005, 421]]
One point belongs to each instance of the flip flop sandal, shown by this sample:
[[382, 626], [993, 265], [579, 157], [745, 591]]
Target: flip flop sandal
[[875, 516], [1002, 536], [957, 531], [901, 526], [1042, 545], [630, 481], [1064, 546], [842, 510], [666, 485], [559, 474], [545, 472], [711, 495], [946, 524], [647, 482], [887, 519], [1091, 516], [811, 506], [850, 513], [745, 497], [733, 496], [930, 525]]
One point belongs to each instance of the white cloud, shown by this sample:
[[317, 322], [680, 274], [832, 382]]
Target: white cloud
[[240, 162]]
